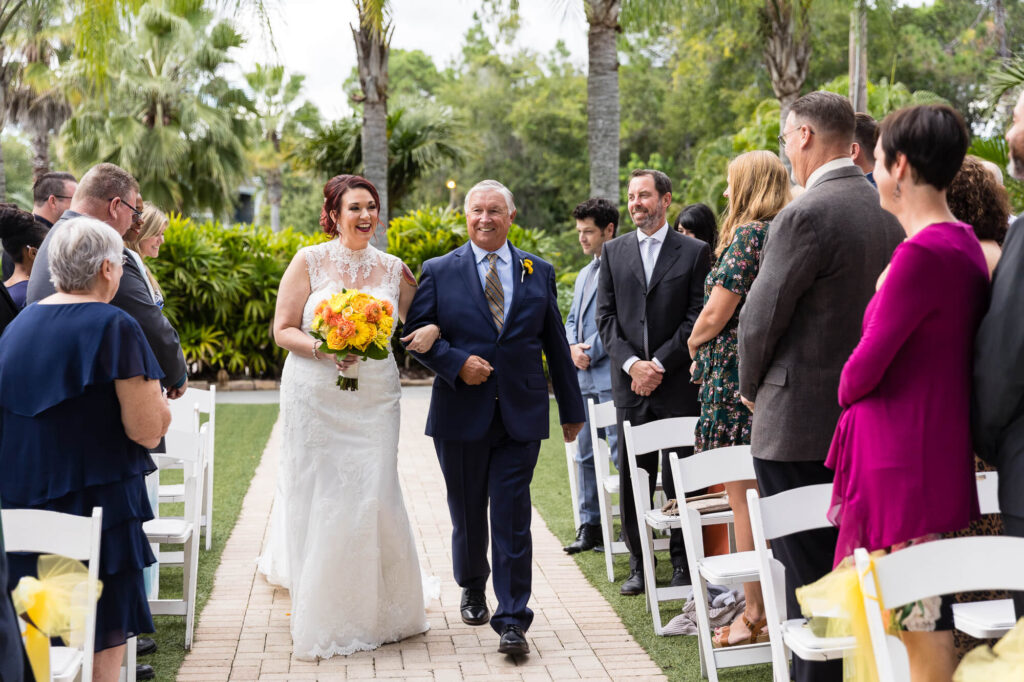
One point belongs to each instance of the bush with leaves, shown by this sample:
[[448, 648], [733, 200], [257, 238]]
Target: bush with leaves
[[220, 289]]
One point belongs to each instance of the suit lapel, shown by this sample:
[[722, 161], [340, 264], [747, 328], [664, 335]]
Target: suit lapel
[[634, 263], [584, 302], [518, 284], [472, 279], [666, 258]]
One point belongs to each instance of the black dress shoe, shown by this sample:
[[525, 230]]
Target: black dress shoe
[[474, 607], [680, 577], [513, 642], [144, 672], [634, 585], [587, 537], [144, 646]]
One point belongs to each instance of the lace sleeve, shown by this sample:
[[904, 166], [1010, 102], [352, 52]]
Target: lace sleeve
[[315, 267]]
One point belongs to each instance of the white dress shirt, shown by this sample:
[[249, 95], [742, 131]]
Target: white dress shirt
[[649, 256], [834, 164], [504, 267]]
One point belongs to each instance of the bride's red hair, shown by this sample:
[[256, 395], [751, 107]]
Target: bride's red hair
[[334, 190]]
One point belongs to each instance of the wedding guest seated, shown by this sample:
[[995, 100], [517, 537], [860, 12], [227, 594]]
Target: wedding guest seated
[[146, 244], [81, 401], [902, 456], [978, 199], [21, 236]]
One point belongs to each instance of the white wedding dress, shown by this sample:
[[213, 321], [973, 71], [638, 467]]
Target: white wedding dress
[[340, 539]]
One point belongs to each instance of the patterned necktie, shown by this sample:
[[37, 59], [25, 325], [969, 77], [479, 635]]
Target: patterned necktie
[[494, 293]]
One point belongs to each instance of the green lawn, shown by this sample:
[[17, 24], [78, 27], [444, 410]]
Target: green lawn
[[677, 656], [242, 433]]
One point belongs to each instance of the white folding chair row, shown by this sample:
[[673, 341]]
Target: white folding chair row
[[792, 511], [601, 417], [77, 537], [927, 570], [185, 413], [715, 467], [190, 448]]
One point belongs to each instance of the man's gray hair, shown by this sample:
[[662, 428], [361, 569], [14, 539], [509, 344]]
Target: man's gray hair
[[77, 250], [490, 185]]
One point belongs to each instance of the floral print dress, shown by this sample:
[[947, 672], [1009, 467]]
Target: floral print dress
[[724, 421]]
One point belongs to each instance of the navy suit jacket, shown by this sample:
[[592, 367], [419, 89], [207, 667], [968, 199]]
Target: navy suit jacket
[[582, 316], [450, 295]]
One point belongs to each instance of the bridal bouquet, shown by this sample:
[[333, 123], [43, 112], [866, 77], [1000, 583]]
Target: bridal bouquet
[[353, 323]]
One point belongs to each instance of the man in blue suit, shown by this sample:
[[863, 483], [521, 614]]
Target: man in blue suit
[[498, 311], [596, 220]]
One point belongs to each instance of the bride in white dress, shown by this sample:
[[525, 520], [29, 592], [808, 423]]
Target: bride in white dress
[[340, 539]]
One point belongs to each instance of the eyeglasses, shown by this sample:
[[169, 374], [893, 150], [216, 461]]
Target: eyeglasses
[[136, 213], [61, 196], [785, 134]]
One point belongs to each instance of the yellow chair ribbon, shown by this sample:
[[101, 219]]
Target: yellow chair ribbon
[[54, 605], [1004, 661]]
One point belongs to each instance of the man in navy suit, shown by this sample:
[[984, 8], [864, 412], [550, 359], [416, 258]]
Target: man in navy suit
[[596, 220], [497, 309]]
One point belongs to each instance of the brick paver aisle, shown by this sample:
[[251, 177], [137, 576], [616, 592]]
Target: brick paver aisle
[[243, 631]]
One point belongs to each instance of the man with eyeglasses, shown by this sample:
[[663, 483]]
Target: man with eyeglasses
[[51, 196], [802, 318], [110, 194]]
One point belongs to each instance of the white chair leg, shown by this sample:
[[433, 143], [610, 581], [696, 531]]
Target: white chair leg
[[130, 651], [208, 503], [570, 459], [607, 529], [191, 569]]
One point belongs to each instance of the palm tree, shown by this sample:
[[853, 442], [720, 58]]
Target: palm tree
[[859, 55], [603, 96], [277, 120], [786, 29], [35, 99], [421, 139], [170, 118], [373, 43]]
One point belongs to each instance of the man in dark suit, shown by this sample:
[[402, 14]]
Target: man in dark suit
[[51, 196], [596, 220], [497, 309], [802, 319], [110, 194], [650, 292], [998, 401]]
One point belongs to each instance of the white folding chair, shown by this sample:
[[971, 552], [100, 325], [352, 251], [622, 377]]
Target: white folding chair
[[663, 434], [191, 449], [715, 467], [185, 413], [601, 417], [792, 511], [574, 471], [77, 537], [927, 570], [996, 617]]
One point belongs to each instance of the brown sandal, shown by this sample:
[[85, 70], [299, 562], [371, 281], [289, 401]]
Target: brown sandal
[[758, 634]]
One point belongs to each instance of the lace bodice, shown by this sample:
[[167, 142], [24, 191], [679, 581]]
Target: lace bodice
[[333, 267]]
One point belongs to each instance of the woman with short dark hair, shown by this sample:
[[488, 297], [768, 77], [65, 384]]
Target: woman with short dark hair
[[21, 235], [698, 221], [902, 456]]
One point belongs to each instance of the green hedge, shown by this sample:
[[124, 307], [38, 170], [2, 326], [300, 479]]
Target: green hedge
[[220, 282]]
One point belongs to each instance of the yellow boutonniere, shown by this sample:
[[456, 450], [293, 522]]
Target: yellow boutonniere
[[527, 268]]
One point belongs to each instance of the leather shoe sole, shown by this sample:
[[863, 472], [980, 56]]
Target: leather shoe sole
[[144, 646], [513, 645], [632, 587], [144, 672], [471, 619]]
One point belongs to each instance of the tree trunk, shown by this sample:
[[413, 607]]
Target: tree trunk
[[999, 18], [787, 52], [372, 53], [603, 98], [40, 153], [859, 56], [274, 193]]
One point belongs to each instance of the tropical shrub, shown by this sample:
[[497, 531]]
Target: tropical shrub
[[220, 287]]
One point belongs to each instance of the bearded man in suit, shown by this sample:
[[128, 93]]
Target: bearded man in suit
[[650, 292]]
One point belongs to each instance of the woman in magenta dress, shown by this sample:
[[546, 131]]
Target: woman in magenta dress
[[902, 448]]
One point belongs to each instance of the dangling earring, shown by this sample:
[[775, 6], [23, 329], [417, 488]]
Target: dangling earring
[[896, 191]]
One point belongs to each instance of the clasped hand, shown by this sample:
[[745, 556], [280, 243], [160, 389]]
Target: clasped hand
[[475, 370], [646, 377], [422, 340], [579, 355]]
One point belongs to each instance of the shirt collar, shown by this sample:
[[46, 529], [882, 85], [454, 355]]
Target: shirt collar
[[504, 253], [834, 164], [658, 236]]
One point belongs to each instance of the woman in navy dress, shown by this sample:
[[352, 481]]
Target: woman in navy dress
[[80, 402]]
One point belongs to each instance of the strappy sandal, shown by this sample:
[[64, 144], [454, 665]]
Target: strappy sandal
[[758, 634]]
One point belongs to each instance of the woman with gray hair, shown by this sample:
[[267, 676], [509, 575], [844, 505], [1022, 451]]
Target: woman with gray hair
[[80, 401]]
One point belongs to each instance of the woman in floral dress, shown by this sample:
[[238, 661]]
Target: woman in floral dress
[[758, 189]]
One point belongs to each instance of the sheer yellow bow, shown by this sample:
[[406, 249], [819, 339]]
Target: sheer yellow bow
[[1004, 661], [55, 604]]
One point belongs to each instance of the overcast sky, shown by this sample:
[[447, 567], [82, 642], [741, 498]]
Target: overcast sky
[[313, 37]]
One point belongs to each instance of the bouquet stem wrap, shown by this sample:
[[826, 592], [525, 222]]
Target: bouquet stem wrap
[[55, 604], [348, 379]]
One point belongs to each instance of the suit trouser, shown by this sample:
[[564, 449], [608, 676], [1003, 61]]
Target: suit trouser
[[644, 413], [1014, 526], [807, 556], [586, 480], [496, 468]]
